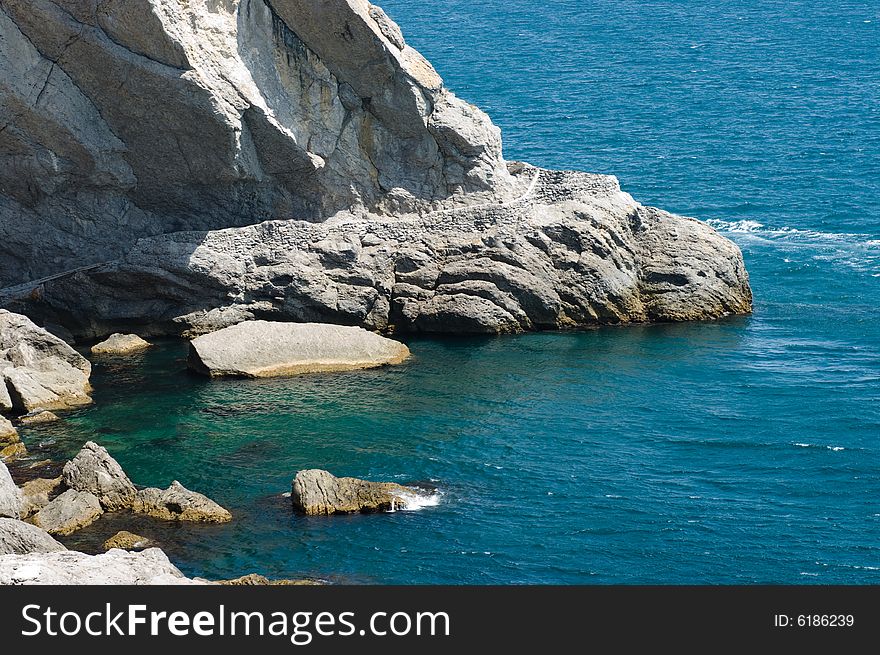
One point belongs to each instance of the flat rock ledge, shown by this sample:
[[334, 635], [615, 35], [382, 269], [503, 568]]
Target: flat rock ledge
[[38, 371], [120, 344], [116, 567], [317, 492], [20, 538], [259, 349]]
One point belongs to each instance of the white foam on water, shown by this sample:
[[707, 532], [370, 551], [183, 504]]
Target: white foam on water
[[413, 501]]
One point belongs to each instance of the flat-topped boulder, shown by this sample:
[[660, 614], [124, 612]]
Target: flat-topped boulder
[[116, 567], [38, 417], [120, 344], [20, 538], [317, 492], [38, 369], [258, 349], [93, 470], [69, 512], [177, 503], [10, 497]]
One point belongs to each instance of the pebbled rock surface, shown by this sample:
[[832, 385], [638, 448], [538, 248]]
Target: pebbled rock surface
[[257, 349], [318, 492], [120, 344], [94, 471], [69, 512], [38, 369], [117, 567], [20, 538], [177, 503]]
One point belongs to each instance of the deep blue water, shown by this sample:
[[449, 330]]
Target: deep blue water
[[741, 451]]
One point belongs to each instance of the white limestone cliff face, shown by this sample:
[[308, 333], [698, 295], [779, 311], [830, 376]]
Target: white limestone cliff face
[[221, 160]]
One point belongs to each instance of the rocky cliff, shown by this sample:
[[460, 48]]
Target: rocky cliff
[[208, 161]]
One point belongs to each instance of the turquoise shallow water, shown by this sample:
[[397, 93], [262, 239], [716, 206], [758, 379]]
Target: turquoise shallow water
[[740, 451]]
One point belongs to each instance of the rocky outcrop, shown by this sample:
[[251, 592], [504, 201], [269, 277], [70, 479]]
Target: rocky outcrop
[[187, 169], [69, 512], [37, 493], [20, 538], [256, 580], [117, 567], [120, 344], [39, 370], [177, 503], [127, 541], [318, 492], [127, 119], [94, 471], [257, 349], [10, 497]]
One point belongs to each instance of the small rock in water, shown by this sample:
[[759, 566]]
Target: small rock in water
[[177, 503], [256, 580], [37, 418], [120, 344], [127, 541], [93, 470], [318, 492]]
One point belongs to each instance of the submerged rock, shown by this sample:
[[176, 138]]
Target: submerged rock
[[38, 369], [10, 497], [69, 512], [20, 538], [127, 541], [318, 492], [37, 493], [116, 567], [256, 580], [93, 470], [120, 344], [258, 349], [177, 503]]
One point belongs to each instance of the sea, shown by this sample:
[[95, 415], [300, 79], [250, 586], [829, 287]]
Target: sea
[[740, 451]]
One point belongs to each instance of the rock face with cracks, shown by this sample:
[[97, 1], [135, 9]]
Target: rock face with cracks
[[318, 492], [20, 538], [94, 471], [192, 165]]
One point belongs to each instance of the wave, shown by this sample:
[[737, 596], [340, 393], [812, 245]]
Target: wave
[[416, 500], [754, 227], [835, 449]]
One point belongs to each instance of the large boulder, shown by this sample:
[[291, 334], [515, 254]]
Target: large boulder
[[93, 470], [116, 567], [20, 538], [177, 503], [257, 349], [297, 161], [318, 492], [39, 370], [37, 493], [10, 497], [69, 512], [120, 344]]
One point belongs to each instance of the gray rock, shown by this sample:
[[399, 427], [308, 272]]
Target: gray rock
[[8, 433], [318, 492], [20, 538], [120, 344], [258, 349], [126, 119], [37, 493], [177, 503], [11, 446], [117, 567], [127, 541], [93, 470], [39, 370], [10, 497], [5, 399], [69, 512]]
